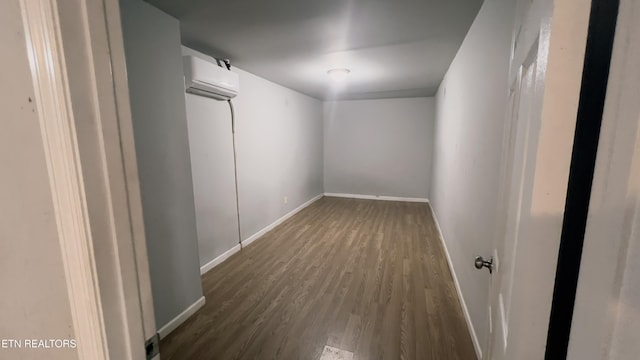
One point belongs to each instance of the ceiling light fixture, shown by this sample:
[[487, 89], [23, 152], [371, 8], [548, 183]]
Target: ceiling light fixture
[[338, 75]]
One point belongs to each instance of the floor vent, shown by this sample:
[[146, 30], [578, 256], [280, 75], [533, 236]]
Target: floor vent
[[331, 353]]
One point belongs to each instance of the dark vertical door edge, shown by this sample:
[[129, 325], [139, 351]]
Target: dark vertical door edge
[[595, 76]]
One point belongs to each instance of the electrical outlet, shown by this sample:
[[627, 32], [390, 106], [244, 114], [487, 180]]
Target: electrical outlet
[[286, 199]]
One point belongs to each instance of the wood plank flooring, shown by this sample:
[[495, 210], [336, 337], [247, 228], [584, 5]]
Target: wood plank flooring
[[369, 277]]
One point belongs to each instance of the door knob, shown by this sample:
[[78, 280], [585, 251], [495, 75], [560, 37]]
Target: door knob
[[480, 263]]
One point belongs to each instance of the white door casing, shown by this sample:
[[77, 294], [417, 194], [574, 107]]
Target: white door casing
[[606, 317], [77, 65]]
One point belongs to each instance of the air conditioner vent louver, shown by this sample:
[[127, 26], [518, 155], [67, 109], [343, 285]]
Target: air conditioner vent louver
[[207, 79]]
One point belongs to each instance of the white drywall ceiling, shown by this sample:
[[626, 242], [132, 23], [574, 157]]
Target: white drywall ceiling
[[393, 48]]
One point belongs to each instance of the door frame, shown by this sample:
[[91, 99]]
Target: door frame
[[87, 117], [611, 235], [76, 57], [593, 91]]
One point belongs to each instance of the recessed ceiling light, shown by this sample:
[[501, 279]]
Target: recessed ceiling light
[[338, 75]]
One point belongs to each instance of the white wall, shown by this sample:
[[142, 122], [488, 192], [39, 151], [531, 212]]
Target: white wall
[[470, 115], [33, 300], [154, 70], [379, 147], [279, 137]]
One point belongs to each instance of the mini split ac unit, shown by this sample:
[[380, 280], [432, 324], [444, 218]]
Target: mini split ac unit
[[207, 79]]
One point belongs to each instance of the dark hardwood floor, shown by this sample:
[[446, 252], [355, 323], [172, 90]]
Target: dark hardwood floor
[[369, 277]]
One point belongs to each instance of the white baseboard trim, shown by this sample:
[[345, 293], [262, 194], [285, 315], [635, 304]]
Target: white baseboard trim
[[270, 227], [218, 260], [465, 310], [175, 322], [378, 197]]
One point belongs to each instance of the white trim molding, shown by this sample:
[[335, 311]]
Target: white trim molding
[[182, 317], [465, 310], [219, 260], [270, 227], [378, 197], [57, 125]]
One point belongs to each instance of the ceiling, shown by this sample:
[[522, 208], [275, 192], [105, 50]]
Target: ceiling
[[394, 48]]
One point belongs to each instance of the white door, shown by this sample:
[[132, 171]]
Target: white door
[[528, 70], [545, 76]]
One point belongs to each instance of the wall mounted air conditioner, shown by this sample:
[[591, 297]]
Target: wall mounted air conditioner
[[207, 79]]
